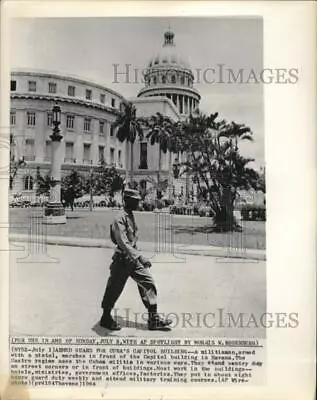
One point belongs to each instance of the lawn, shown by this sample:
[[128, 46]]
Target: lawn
[[191, 230]]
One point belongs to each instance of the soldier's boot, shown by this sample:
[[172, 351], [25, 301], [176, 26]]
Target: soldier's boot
[[157, 323], [108, 322]]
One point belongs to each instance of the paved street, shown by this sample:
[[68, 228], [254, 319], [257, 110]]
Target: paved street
[[63, 297], [190, 230]]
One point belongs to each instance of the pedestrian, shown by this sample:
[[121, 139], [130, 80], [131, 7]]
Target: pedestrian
[[127, 262]]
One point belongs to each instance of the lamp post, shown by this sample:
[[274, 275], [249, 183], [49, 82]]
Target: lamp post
[[54, 211], [91, 195]]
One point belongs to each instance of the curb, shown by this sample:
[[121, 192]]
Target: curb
[[199, 250]]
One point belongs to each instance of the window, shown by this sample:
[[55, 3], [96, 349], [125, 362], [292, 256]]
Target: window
[[101, 127], [113, 102], [111, 130], [31, 118], [13, 86], [173, 79], [182, 80], [119, 158], [88, 94], [111, 155], [164, 79], [70, 121], [143, 156], [12, 118], [71, 91], [49, 118], [29, 150], [101, 151], [69, 152], [86, 153], [102, 98], [52, 87], [28, 182], [32, 86], [87, 123], [154, 80]]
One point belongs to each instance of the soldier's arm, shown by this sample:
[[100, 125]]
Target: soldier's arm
[[119, 231]]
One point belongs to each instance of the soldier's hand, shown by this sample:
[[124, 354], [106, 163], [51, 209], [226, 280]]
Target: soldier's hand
[[145, 262]]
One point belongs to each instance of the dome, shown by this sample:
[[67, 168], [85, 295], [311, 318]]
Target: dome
[[168, 55]]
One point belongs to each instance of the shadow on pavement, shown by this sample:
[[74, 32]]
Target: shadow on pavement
[[192, 229], [124, 324]]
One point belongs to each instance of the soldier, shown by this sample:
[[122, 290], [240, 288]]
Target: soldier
[[127, 261]]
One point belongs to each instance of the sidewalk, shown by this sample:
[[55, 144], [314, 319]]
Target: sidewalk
[[200, 250], [62, 294]]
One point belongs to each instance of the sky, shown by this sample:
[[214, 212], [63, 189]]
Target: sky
[[89, 48]]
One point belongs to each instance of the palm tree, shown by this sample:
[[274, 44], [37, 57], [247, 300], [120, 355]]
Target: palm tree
[[161, 131], [217, 164], [129, 128]]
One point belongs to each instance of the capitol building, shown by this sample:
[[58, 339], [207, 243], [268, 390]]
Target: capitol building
[[89, 111]]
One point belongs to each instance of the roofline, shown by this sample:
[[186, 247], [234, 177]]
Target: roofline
[[57, 75], [63, 99]]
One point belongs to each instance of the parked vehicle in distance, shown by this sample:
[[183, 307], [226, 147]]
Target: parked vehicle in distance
[[253, 212]]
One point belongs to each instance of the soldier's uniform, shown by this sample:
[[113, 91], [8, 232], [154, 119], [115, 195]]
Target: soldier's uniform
[[127, 262]]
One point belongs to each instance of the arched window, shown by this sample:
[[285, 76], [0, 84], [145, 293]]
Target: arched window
[[28, 182], [173, 79], [154, 80], [163, 79], [182, 80]]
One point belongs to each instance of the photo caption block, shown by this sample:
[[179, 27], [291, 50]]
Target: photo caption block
[[69, 361]]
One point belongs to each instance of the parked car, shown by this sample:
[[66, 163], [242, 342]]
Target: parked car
[[205, 211], [253, 212], [82, 201]]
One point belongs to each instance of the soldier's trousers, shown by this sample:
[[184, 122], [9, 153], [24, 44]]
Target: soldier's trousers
[[120, 270]]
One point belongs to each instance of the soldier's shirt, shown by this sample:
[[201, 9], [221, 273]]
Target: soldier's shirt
[[125, 232]]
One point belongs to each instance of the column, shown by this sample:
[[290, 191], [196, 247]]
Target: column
[[39, 140], [177, 102], [94, 143], [107, 152], [183, 100], [78, 145], [190, 105]]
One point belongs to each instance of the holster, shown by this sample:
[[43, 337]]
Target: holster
[[121, 258]]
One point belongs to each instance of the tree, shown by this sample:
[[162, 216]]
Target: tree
[[129, 128], [261, 180], [106, 180], [72, 188], [43, 183], [161, 130], [216, 164]]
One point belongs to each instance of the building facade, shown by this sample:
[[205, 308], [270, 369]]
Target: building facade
[[88, 113]]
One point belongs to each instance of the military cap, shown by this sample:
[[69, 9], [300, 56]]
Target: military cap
[[132, 194]]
